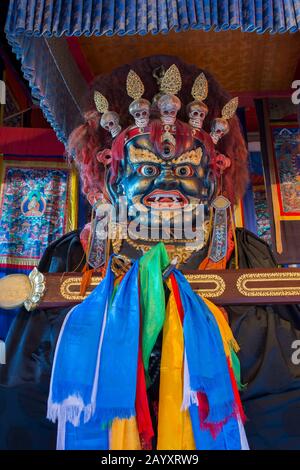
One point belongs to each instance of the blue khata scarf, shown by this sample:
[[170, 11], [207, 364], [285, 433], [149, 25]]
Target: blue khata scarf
[[94, 370], [119, 355], [227, 439], [205, 354]]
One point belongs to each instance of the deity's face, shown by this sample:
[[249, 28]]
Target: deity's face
[[163, 188]]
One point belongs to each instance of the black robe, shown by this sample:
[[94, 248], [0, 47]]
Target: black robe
[[265, 334]]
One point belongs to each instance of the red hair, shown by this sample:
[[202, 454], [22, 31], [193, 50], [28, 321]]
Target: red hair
[[117, 153], [86, 140], [82, 147]]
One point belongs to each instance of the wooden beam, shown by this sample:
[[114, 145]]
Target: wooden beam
[[227, 287]]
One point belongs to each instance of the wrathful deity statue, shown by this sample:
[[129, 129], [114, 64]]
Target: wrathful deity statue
[[162, 161]]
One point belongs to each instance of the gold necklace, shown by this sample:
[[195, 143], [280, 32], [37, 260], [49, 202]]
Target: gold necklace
[[181, 252]]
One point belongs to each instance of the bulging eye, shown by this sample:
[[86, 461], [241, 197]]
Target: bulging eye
[[148, 170], [184, 171]]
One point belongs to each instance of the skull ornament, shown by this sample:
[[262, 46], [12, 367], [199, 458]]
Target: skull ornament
[[110, 121], [197, 112], [140, 110], [219, 128], [168, 106]]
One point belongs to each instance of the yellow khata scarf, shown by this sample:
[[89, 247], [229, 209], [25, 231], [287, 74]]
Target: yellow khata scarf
[[174, 426], [124, 435]]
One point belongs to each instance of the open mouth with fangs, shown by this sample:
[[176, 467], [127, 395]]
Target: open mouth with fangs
[[160, 199]]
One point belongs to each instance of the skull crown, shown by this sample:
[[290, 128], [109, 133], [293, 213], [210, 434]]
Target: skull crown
[[219, 128], [168, 106], [110, 122], [110, 119], [140, 110], [197, 112]]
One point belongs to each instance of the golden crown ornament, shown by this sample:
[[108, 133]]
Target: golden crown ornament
[[110, 120], [140, 107], [197, 110], [220, 126]]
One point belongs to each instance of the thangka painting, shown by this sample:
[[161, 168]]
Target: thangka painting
[[37, 205], [262, 216], [285, 164], [262, 213]]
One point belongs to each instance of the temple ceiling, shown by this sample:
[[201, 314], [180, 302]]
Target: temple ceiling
[[242, 62]]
